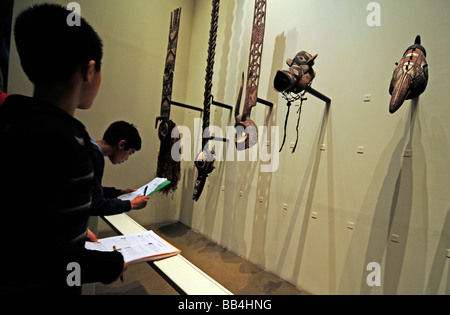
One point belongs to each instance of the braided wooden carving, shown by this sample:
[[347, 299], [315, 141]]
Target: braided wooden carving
[[205, 160]]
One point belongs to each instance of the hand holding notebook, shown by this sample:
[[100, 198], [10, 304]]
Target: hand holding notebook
[[147, 190]]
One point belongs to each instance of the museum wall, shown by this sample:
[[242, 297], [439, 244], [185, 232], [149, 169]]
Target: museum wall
[[135, 37], [348, 196]]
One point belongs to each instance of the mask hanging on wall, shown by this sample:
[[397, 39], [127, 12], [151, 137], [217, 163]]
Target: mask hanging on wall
[[205, 160], [410, 77], [167, 167], [292, 83]]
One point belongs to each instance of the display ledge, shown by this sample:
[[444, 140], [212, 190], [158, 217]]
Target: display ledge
[[181, 274]]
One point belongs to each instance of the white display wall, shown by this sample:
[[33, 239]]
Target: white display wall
[[348, 196]]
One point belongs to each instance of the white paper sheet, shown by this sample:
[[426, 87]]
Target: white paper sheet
[[145, 246]]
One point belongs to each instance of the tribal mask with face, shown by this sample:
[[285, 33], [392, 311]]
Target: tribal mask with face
[[292, 83], [410, 77], [299, 76]]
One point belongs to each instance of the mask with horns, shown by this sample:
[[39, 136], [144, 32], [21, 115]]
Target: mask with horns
[[410, 77]]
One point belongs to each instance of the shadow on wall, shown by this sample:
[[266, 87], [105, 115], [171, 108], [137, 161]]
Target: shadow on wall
[[401, 212], [390, 224], [441, 260], [311, 175], [257, 248]]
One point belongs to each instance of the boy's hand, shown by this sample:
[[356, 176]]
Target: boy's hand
[[139, 202], [91, 237], [126, 191]]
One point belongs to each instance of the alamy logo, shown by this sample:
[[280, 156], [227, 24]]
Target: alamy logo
[[374, 17], [74, 277], [74, 18], [266, 150], [374, 277]]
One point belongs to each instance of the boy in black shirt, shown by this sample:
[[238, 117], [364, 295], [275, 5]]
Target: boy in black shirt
[[46, 162], [120, 140]]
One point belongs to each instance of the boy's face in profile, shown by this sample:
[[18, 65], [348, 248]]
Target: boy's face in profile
[[120, 155]]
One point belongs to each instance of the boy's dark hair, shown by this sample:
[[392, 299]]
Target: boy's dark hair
[[121, 130], [49, 49]]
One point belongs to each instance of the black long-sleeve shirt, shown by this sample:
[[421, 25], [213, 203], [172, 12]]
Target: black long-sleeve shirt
[[105, 200], [45, 191]]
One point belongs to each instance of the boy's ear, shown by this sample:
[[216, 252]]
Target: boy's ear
[[121, 144], [90, 71]]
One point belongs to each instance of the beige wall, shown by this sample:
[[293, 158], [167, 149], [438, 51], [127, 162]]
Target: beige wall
[[343, 208], [379, 192], [135, 35]]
